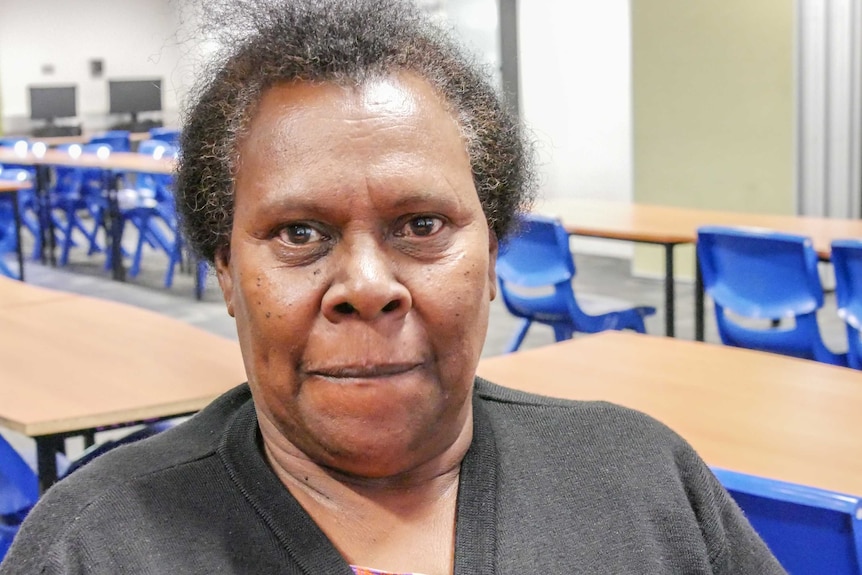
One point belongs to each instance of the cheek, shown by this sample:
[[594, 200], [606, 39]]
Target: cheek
[[274, 312], [457, 305]]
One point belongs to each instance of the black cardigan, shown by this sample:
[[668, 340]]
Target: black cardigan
[[547, 486]]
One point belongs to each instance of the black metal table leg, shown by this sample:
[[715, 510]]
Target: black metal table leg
[[698, 301], [116, 228], [47, 447], [16, 210], [669, 297], [46, 223]]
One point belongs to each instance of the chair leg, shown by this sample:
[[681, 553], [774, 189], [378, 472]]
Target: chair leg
[[638, 324], [201, 278], [135, 268], [562, 332], [98, 224], [67, 240], [518, 339]]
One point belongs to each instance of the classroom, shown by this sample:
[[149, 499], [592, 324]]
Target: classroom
[[694, 250]]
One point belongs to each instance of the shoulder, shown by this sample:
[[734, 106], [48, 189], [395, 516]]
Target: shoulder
[[564, 418], [589, 443], [130, 477]]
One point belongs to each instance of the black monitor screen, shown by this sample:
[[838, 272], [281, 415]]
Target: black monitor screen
[[133, 96], [47, 103]]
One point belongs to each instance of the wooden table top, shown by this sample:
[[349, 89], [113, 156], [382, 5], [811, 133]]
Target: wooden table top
[[673, 225], [81, 139], [748, 411], [125, 161], [69, 362], [13, 186]]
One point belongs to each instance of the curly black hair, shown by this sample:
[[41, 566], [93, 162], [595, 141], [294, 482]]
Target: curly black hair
[[346, 42]]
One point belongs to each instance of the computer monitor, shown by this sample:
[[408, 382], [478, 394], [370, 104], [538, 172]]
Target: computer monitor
[[52, 102], [134, 96]]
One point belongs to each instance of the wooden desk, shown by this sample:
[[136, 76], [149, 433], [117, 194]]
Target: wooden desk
[[748, 411], [82, 139], [70, 364], [116, 161], [11, 189], [670, 226]]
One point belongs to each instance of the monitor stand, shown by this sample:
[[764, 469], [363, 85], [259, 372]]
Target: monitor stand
[[137, 125], [52, 130]]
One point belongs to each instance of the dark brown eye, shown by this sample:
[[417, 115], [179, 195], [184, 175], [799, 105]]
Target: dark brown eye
[[300, 234], [422, 226]]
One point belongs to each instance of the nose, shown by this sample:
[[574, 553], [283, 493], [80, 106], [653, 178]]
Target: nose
[[366, 286]]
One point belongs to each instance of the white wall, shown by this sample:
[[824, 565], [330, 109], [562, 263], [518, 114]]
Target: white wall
[[134, 38], [575, 66], [477, 23]]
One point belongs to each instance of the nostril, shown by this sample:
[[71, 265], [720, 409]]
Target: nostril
[[391, 306], [345, 308]]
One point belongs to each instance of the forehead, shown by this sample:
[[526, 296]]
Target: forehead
[[303, 119]]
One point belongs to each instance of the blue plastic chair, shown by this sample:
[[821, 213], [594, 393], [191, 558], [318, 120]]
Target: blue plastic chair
[[149, 206], [810, 531], [764, 275], [535, 268], [847, 261], [79, 196]]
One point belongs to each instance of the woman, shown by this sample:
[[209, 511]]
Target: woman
[[350, 174]]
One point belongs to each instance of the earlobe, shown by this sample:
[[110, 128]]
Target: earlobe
[[225, 278]]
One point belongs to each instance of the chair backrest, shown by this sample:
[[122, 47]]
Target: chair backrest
[[14, 142], [537, 254], [21, 146], [19, 486], [169, 135], [156, 185], [14, 174], [157, 148], [759, 273], [67, 179], [847, 262], [810, 531], [119, 140], [93, 179]]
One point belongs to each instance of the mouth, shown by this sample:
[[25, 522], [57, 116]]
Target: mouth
[[379, 371]]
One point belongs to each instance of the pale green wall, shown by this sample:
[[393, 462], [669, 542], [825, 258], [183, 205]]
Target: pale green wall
[[713, 97]]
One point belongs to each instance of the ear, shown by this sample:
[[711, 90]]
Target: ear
[[492, 263], [225, 276]]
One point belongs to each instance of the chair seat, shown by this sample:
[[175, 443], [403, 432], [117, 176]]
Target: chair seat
[[593, 304]]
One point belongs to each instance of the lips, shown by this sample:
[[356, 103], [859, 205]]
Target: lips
[[375, 371]]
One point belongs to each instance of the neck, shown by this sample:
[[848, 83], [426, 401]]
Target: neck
[[304, 477], [402, 523]]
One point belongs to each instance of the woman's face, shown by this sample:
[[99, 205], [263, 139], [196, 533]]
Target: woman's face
[[360, 272]]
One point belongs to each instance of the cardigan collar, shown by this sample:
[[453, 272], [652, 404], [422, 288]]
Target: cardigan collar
[[305, 543]]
